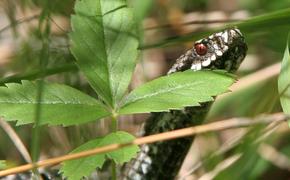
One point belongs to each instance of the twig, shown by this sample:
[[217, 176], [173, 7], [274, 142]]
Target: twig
[[259, 76], [20, 21], [58, 26], [216, 126], [254, 78], [114, 128], [272, 155], [221, 167], [16, 140]]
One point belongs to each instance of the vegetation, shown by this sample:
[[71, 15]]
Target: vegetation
[[68, 82]]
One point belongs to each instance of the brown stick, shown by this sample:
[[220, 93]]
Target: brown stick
[[19, 21], [216, 126], [16, 140], [259, 76]]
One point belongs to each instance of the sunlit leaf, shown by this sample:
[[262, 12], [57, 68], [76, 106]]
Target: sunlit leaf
[[60, 104], [76, 169], [284, 81], [176, 91], [105, 45]]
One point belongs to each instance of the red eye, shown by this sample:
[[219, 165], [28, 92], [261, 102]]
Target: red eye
[[201, 49]]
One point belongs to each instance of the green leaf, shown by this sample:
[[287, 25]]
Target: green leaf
[[176, 91], [2, 164], [284, 81], [141, 9], [124, 154], [76, 169], [60, 104], [105, 46]]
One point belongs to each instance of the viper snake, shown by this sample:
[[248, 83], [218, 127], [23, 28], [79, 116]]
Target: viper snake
[[224, 50]]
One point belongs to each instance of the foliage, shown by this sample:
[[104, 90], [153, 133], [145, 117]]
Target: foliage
[[141, 9], [60, 104], [106, 49], [284, 81], [104, 42], [105, 46]]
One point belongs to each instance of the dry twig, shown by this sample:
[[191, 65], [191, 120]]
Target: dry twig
[[272, 155], [16, 140], [19, 21], [259, 76]]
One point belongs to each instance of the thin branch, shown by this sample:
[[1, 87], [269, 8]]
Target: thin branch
[[259, 76], [216, 126], [16, 140], [19, 21], [254, 78], [58, 26], [221, 167], [272, 155]]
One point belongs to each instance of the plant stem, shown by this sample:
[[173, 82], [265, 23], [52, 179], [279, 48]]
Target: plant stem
[[43, 61], [114, 123], [114, 128], [114, 170]]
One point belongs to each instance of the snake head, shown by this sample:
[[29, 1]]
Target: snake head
[[223, 50]]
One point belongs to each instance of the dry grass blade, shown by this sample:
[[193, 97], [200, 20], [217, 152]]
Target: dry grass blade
[[20, 21], [231, 143], [259, 76], [254, 78], [220, 167], [16, 140], [274, 156], [216, 126]]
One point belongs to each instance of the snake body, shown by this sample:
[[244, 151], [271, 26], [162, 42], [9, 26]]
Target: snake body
[[224, 50]]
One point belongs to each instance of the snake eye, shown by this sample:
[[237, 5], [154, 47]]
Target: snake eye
[[201, 49]]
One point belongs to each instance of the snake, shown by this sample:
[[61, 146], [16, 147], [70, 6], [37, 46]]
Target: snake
[[224, 50]]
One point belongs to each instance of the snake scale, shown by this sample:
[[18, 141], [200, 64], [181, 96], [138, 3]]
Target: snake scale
[[224, 50]]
